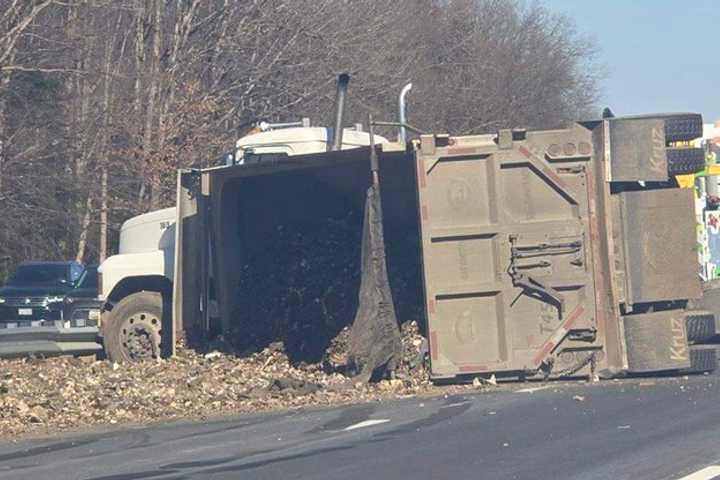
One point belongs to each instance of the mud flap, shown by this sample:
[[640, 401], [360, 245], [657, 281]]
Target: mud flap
[[375, 344], [656, 342]]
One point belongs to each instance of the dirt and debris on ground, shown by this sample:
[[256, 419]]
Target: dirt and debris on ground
[[58, 394]]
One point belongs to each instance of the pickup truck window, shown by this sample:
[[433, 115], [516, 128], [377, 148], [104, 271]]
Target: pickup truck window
[[88, 278], [39, 274], [76, 272]]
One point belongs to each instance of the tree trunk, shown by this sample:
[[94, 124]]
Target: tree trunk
[[141, 157], [4, 80], [84, 227], [150, 121], [103, 213], [106, 150]]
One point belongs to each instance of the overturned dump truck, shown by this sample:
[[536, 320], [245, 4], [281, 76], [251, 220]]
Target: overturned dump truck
[[525, 253]]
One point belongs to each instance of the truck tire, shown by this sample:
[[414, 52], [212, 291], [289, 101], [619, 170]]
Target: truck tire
[[703, 358], [683, 126], [700, 325], [679, 127], [709, 302], [133, 329], [656, 342], [682, 161]]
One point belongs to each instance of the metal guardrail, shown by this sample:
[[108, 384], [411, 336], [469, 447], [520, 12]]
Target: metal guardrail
[[48, 340]]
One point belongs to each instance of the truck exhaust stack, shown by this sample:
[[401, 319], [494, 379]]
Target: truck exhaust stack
[[402, 113], [337, 133]]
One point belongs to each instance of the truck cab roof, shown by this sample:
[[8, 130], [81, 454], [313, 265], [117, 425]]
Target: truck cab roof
[[300, 141], [147, 232]]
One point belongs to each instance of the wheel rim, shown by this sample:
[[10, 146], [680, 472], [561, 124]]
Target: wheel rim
[[140, 336]]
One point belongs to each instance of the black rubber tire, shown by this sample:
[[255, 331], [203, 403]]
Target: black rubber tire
[[682, 161], [679, 127], [700, 325], [149, 306], [683, 126], [703, 358], [710, 302]]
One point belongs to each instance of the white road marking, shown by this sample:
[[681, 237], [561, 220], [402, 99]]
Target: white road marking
[[366, 423], [532, 389], [705, 474]]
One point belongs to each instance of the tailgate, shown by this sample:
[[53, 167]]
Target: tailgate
[[508, 273]]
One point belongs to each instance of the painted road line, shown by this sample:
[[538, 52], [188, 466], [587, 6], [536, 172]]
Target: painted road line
[[705, 474], [366, 423], [532, 389]]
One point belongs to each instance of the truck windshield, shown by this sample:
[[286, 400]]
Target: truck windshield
[[39, 274]]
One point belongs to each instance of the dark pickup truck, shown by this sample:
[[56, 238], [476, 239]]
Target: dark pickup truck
[[32, 305]]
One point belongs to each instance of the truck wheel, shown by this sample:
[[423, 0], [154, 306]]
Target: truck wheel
[[656, 342], [703, 358], [700, 325], [679, 127], [132, 331], [709, 302], [682, 161], [683, 127]]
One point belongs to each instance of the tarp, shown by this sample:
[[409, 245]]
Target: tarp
[[375, 346]]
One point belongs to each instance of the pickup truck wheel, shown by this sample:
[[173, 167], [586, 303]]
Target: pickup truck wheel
[[133, 329]]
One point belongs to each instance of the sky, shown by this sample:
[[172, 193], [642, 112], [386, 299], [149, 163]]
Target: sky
[[656, 55]]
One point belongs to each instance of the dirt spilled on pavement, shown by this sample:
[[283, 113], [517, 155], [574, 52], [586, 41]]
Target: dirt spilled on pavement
[[39, 396]]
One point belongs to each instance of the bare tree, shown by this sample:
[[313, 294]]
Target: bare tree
[[98, 112]]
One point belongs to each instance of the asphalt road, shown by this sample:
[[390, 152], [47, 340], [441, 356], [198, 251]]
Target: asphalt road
[[633, 429]]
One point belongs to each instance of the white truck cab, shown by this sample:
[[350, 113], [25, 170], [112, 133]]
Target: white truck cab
[[146, 249], [296, 141]]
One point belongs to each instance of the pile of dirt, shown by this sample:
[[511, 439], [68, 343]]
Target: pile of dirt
[[45, 395], [302, 289], [413, 356]]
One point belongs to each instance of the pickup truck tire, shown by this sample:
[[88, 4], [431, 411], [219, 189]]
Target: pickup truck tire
[[700, 325], [703, 358], [132, 331], [682, 161]]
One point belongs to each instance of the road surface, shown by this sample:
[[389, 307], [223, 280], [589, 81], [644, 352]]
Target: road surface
[[632, 429]]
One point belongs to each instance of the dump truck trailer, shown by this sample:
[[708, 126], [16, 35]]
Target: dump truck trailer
[[531, 253]]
